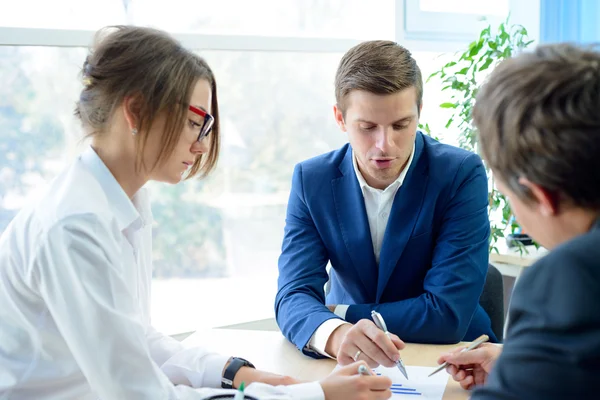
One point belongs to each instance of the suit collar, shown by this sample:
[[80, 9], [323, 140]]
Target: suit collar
[[403, 216], [354, 224]]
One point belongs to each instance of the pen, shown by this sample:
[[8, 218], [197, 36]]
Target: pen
[[481, 339], [378, 319], [239, 395], [364, 370]]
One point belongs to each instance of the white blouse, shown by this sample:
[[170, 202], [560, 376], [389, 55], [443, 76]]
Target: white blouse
[[75, 277]]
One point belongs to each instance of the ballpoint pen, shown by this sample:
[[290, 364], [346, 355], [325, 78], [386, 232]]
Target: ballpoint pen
[[364, 370], [378, 319], [481, 339]]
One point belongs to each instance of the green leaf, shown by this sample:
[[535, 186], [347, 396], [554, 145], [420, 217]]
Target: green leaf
[[485, 32], [493, 45], [486, 65], [463, 71], [448, 105], [450, 64]]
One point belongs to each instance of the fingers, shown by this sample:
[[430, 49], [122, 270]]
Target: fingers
[[444, 357], [400, 345], [379, 382], [477, 357], [348, 356], [383, 343], [350, 369], [372, 350], [382, 394], [467, 383]]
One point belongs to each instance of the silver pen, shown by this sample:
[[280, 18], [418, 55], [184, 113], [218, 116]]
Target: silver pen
[[364, 370], [378, 319], [481, 339]]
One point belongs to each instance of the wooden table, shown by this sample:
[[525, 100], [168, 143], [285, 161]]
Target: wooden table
[[270, 351]]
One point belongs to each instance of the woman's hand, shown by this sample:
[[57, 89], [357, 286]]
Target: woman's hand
[[347, 384]]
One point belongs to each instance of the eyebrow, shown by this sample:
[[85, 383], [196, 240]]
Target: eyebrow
[[405, 119]]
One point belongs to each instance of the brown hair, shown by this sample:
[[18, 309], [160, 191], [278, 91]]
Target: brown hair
[[147, 63], [380, 67], [538, 117]]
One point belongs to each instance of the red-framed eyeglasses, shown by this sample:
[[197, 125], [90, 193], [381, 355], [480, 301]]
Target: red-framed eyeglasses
[[207, 125]]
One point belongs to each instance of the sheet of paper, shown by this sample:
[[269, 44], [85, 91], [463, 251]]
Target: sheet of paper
[[418, 385]]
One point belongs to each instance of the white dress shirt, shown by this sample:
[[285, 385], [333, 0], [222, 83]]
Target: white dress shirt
[[378, 204], [75, 277]]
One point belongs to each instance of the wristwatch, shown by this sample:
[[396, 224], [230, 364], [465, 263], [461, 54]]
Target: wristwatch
[[234, 366]]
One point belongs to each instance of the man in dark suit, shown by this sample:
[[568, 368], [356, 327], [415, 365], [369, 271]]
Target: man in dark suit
[[401, 218], [539, 125]]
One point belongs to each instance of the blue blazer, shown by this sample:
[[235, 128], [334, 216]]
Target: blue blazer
[[434, 255]]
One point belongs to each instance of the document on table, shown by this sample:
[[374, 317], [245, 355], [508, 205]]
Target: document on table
[[419, 386]]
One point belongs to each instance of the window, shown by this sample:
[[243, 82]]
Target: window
[[63, 14], [459, 21], [37, 97], [215, 241], [303, 18], [221, 243], [432, 114], [477, 7]]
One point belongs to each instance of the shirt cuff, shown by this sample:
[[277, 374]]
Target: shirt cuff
[[340, 310], [306, 391], [319, 339], [213, 371]]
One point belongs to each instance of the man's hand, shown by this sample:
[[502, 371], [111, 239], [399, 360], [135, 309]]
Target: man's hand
[[332, 307], [249, 375], [471, 368], [365, 342]]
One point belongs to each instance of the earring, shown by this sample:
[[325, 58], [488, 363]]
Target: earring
[[134, 131]]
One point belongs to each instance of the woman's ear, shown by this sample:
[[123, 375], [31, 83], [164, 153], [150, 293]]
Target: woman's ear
[[132, 106]]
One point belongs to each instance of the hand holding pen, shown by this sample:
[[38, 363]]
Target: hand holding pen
[[378, 319], [471, 367], [364, 341]]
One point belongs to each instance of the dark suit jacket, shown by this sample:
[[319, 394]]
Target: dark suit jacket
[[434, 255], [552, 347]]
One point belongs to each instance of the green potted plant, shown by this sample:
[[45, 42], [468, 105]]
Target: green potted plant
[[461, 78]]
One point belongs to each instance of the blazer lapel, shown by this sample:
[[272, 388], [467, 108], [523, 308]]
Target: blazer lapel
[[403, 216], [354, 225]]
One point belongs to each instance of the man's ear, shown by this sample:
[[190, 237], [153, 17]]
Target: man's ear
[[547, 202], [132, 106], [339, 117]]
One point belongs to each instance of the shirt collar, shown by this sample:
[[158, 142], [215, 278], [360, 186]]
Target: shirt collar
[[397, 183], [128, 213]]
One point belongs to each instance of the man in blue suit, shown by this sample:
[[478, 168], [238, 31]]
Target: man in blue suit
[[401, 218]]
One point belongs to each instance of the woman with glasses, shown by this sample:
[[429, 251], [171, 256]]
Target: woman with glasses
[[75, 265]]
